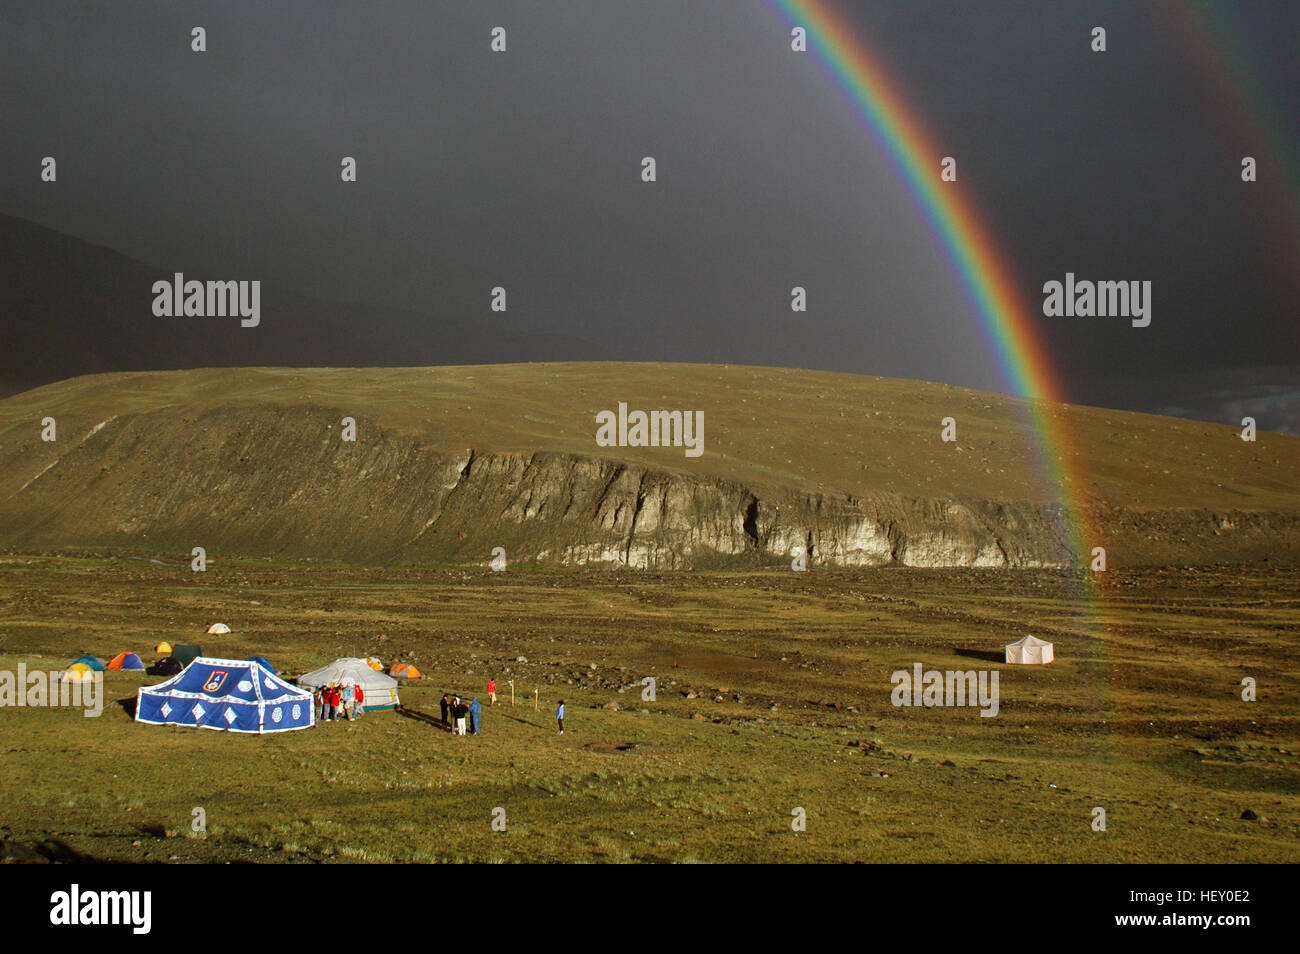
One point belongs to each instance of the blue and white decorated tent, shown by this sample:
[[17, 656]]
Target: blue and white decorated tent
[[231, 694]]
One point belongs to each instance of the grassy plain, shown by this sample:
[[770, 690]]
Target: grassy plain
[[790, 678]]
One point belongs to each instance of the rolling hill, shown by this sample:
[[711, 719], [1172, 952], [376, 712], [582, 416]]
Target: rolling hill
[[450, 462], [56, 289]]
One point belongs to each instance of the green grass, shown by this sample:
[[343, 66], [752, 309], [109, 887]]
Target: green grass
[[1145, 716]]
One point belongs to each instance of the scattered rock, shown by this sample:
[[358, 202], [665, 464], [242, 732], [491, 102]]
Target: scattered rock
[[611, 706], [1249, 815], [13, 853]]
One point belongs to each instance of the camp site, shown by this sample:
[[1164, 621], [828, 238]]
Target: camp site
[[675, 696], [736, 432]]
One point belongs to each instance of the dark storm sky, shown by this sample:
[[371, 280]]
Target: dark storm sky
[[522, 169]]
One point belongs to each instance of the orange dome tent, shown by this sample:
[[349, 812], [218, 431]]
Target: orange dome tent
[[403, 671], [126, 661], [374, 663]]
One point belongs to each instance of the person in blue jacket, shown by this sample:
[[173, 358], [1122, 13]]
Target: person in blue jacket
[[559, 716], [475, 716]]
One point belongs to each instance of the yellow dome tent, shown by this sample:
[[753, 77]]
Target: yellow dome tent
[[163, 648], [78, 672]]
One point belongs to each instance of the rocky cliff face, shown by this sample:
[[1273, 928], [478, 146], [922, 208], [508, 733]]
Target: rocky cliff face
[[262, 480]]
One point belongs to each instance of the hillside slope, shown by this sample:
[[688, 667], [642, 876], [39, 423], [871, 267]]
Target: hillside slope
[[55, 288], [450, 462]]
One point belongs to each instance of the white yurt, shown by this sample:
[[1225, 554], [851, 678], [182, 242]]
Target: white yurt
[[380, 689], [1030, 651]]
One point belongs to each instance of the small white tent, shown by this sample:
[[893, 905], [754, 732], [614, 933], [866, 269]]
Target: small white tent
[[218, 629], [1030, 651], [380, 689]]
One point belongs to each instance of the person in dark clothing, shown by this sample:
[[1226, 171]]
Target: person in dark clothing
[[446, 704], [460, 711]]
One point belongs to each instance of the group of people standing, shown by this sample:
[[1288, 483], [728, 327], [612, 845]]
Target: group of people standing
[[340, 702], [347, 701], [456, 712], [459, 716]]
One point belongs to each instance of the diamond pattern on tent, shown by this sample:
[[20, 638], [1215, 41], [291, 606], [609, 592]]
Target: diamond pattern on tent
[[167, 702]]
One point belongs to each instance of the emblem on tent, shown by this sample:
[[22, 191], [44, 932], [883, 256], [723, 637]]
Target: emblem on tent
[[215, 680], [225, 695]]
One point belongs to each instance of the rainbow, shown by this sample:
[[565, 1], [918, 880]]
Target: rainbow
[[1009, 326], [1214, 37]]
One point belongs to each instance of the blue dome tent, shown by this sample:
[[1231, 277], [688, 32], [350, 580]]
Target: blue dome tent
[[234, 695]]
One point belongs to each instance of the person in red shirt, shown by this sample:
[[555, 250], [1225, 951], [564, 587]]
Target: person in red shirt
[[336, 700], [492, 692], [358, 702]]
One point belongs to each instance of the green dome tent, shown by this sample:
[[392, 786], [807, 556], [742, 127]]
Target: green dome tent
[[186, 654]]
